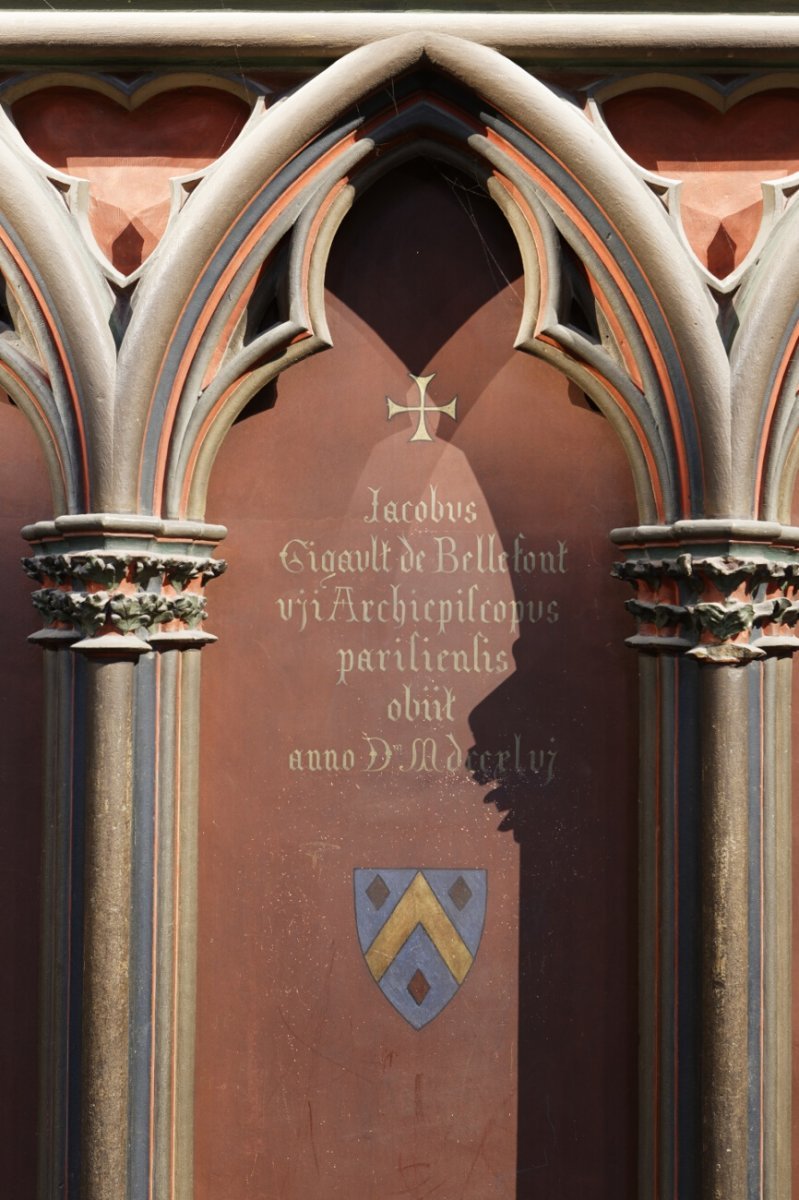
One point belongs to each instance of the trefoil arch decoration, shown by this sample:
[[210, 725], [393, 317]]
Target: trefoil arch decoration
[[639, 373]]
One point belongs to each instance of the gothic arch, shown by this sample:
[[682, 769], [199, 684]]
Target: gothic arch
[[765, 375], [658, 369], [59, 362]]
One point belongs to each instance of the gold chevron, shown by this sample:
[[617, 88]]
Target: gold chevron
[[419, 906]]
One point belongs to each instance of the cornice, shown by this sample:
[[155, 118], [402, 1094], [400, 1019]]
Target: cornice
[[725, 39]]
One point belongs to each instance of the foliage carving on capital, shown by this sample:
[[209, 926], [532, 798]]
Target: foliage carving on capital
[[93, 600], [727, 609]]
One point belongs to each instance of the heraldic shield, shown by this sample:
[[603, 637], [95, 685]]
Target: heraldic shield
[[419, 931]]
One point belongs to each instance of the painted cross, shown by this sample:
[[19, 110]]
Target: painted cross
[[422, 433]]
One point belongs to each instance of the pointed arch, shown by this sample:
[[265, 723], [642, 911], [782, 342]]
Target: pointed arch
[[764, 365], [61, 372], [658, 369]]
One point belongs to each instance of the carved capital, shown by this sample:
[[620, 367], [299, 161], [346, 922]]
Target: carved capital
[[709, 595], [126, 593]]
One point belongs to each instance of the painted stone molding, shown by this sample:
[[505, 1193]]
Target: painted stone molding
[[724, 602], [131, 600]]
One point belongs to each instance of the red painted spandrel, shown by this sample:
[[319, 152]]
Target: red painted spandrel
[[24, 496], [721, 157], [308, 1082], [129, 156]]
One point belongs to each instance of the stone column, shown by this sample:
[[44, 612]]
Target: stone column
[[717, 608], [123, 602]]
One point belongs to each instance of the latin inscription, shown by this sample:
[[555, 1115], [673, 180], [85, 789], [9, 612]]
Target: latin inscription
[[414, 601]]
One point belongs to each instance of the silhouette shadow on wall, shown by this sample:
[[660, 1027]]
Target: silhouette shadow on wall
[[565, 794], [548, 467]]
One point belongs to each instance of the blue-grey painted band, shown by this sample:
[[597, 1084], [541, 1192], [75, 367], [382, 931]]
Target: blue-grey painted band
[[755, 1115], [75, 1033], [667, 928], [690, 929], [141, 925], [64, 919]]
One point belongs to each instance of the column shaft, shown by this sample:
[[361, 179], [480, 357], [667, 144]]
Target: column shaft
[[725, 932], [106, 1031]]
